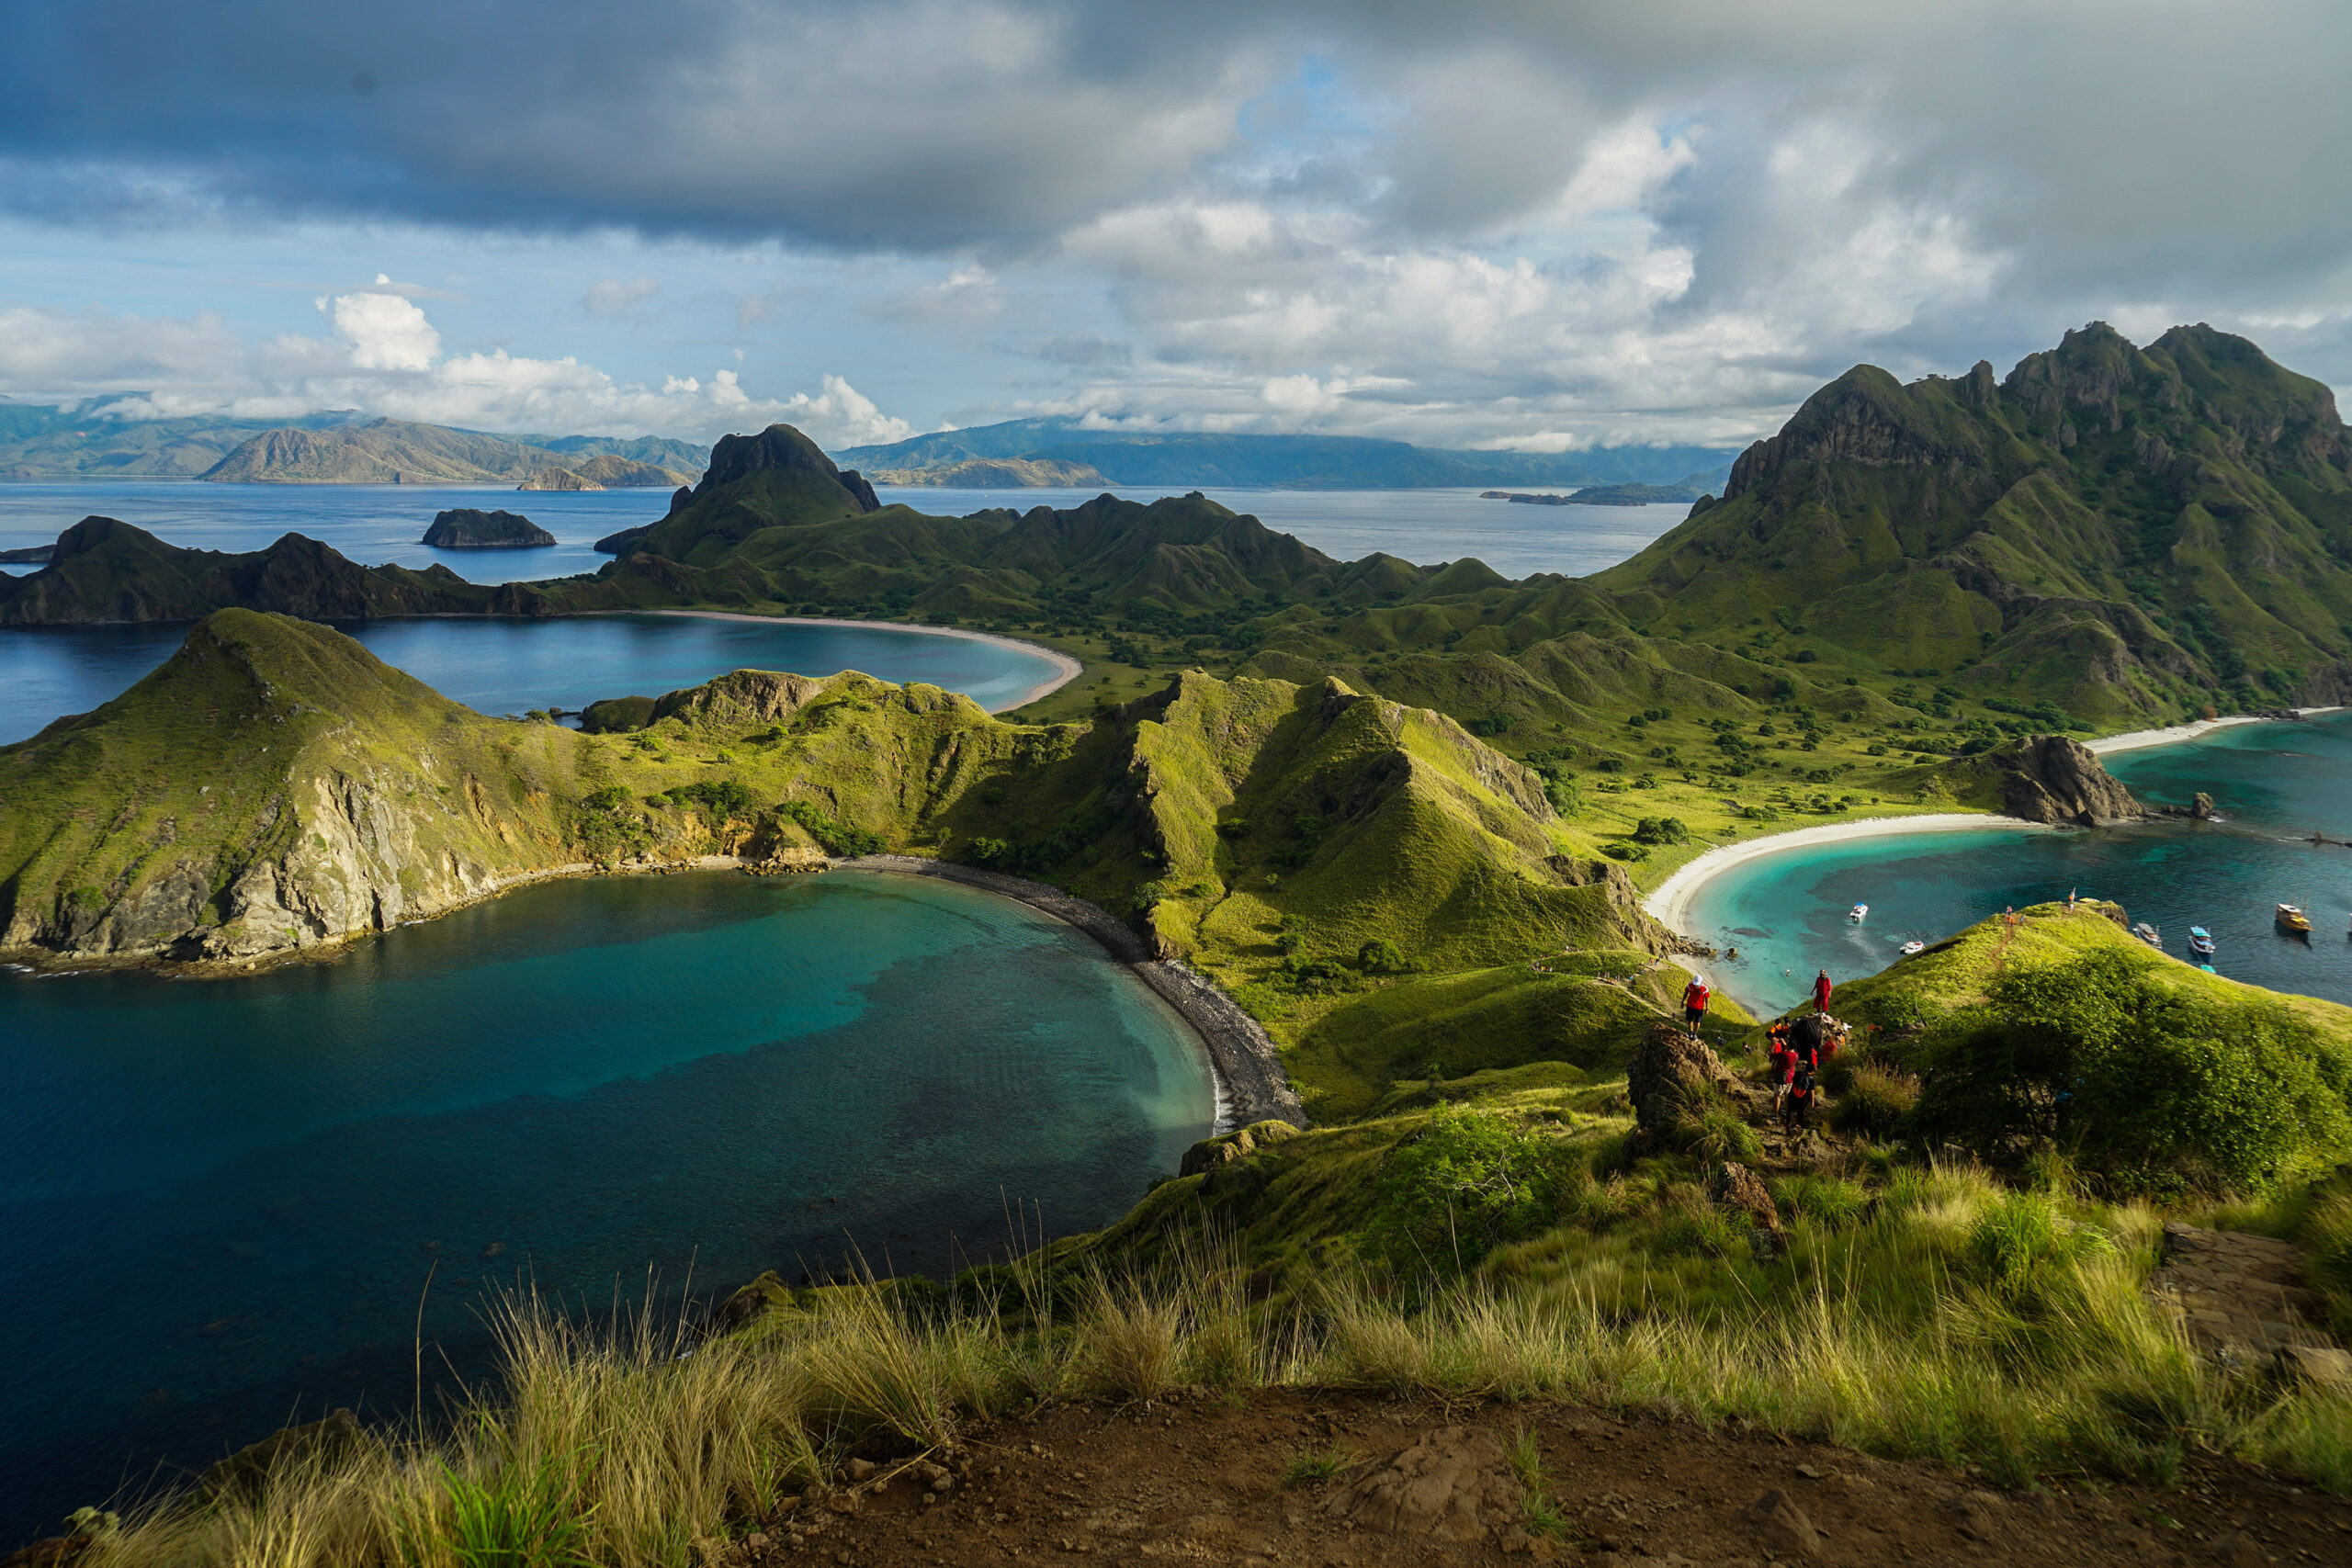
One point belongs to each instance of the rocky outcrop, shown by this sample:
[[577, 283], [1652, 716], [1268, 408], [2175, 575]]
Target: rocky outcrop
[[1215, 1154], [1670, 1071], [737, 457], [2050, 778], [471, 528]]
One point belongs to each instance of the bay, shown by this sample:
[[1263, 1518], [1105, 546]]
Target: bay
[[223, 1198], [2275, 784], [499, 665]]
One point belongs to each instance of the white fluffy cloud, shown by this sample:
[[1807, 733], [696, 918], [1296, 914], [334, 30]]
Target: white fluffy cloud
[[384, 355]]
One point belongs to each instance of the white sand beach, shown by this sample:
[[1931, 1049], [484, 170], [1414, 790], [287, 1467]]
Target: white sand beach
[[1671, 903], [1066, 669], [2140, 739]]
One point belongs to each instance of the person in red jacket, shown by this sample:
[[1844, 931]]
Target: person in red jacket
[[1821, 989], [1694, 1004]]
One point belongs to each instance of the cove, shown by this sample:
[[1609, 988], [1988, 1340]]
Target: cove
[[2273, 784], [496, 666], [223, 1198]]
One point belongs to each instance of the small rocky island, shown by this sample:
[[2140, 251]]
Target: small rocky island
[[468, 528]]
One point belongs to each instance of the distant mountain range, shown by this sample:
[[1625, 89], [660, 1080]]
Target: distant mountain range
[[39, 442], [1290, 462]]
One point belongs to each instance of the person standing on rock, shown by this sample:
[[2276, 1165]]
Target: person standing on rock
[[1694, 1005], [1821, 989]]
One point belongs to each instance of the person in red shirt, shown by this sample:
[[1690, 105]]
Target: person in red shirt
[[1821, 989], [1694, 1004]]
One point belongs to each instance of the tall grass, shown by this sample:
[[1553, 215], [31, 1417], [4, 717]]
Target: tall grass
[[625, 1441]]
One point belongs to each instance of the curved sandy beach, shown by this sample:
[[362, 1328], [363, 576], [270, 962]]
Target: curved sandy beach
[[2138, 740], [1066, 669], [1670, 902]]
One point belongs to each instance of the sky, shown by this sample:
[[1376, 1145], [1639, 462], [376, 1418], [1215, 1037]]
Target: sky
[[1535, 224]]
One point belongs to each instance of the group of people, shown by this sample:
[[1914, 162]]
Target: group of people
[[1798, 1048]]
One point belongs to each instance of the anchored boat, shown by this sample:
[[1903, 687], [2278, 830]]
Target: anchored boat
[[2292, 919], [1914, 945], [1859, 913], [2150, 935], [2200, 947]]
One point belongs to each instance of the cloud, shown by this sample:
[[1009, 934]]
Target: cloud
[[1488, 221], [384, 355], [612, 297]]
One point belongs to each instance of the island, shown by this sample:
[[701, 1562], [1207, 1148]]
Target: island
[[469, 528]]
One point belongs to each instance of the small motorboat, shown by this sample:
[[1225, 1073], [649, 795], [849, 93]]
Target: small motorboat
[[1859, 913], [2293, 921], [1908, 948], [2200, 941], [2150, 935]]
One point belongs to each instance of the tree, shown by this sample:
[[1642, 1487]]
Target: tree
[[1381, 956]]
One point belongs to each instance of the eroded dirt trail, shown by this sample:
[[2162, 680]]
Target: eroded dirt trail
[[1200, 1480]]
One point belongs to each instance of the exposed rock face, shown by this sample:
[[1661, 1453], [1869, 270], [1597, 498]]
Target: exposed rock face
[[1454, 1484], [1669, 1070], [2050, 778], [469, 528], [1211, 1153]]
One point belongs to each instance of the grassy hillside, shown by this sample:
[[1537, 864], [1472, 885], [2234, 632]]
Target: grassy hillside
[[275, 786]]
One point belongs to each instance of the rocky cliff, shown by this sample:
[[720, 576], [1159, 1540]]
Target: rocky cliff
[[2050, 778]]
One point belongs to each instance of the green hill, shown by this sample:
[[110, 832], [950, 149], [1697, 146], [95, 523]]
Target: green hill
[[275, 786], [2126, 533]]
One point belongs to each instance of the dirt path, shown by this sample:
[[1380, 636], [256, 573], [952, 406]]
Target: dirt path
[[1200, 1480]]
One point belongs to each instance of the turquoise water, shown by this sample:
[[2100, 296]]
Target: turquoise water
[[2275, 784], [223, 1198], [512, 666]]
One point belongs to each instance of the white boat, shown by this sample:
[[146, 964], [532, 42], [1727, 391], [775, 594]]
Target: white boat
[[1858, 913], [2149, 934], [1908, 948]]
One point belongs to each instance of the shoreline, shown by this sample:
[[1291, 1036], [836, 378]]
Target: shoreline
[[1066, 669], [2172, 735], [1245, 1066], [1669, 903]]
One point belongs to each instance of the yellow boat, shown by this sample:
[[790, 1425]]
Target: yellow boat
[[2291, 918]]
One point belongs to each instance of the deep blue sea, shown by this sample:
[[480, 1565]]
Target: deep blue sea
[[374, 523], [2275, 783], [223, 1199]]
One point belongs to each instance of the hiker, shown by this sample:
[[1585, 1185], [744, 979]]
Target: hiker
[[1821, 989], [1796, 1106], [1783, 1058], [1694, 1004]]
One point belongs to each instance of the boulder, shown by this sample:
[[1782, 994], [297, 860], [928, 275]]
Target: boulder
[[1669, 1071], [2323, 1367], [1780, 1527], [469, 528], [319, 1442], [1734, 1186], [1454, 1484]]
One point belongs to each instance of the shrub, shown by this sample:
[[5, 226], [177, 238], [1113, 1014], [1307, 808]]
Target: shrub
[[1381, 956], [721, 797], [1470, 1181], [837, 838], [1624, 852], [1874, 1101], [2160, 1089], [1661, 830]]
